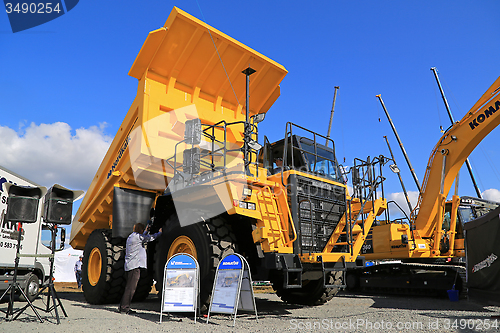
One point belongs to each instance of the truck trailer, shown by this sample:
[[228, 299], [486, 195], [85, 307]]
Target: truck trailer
[[32, 271]]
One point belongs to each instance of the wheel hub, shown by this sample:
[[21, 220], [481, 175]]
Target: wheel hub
[[94, 266], [182, 244], [32, 288]]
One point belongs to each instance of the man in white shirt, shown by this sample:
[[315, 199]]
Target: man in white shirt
[[78, 272], [135, 259]]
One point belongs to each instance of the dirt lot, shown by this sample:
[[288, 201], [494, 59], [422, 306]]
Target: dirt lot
[[345, 313], [66, 287], [72, 287]]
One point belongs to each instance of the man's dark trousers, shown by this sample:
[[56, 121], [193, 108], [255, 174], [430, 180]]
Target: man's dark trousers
[[78, 275], [133, 277]]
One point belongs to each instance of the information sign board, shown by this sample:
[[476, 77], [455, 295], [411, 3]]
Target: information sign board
[[232, 290], [180, 285]]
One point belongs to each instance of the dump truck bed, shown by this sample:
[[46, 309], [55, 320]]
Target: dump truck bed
[[186, 70]]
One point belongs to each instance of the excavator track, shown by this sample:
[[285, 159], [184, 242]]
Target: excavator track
[[408, 279]]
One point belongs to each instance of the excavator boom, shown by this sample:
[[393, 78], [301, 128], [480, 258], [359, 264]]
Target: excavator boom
[[452, 150]]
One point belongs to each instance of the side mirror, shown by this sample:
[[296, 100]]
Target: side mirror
[[355, 176], [191, 161], [192, 131], [63, 239]]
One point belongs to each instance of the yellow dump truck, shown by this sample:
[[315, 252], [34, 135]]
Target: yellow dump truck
[[187, 159]]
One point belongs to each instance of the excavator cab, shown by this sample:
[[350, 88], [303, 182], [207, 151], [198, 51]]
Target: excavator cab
[[469, 208], [447, 216]]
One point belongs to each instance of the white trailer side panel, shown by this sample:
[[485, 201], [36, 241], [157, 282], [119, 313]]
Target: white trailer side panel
[[32, 231]]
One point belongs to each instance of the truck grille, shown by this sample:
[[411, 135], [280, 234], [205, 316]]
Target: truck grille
[[320, 208]]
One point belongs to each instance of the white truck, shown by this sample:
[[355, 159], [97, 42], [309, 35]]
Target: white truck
[[32, 271]]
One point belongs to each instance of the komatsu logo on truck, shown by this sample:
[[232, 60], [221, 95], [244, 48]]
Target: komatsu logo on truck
[[4, 180], [118, 158], [485, 114]]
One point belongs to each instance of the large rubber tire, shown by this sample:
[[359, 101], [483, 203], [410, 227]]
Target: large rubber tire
[[103, 275], [312, 292], [352, 281], [31, 288], [207, 241]]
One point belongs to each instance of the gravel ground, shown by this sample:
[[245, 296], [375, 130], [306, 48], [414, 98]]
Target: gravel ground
[[345, 313]]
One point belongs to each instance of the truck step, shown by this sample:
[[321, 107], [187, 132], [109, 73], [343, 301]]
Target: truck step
[[334, 267], [292, 272]]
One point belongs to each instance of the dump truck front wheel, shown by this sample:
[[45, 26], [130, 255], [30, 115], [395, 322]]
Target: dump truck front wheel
[[312, 292], [207, 241], [103, 276]]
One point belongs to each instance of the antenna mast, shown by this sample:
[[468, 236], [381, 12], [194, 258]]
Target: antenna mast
[[469, 167], [400, 144], [331, 115]]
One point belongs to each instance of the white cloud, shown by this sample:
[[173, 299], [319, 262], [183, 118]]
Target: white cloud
[[491, 194], [400, 199], [54, 153]]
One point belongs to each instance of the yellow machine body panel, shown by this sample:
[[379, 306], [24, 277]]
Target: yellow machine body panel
[[186, 70], [387, 239]]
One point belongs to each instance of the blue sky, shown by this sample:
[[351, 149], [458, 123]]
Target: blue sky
[[65, 89]]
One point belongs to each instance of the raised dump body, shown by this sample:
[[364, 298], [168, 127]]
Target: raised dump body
[[187, 158], [186, 70]]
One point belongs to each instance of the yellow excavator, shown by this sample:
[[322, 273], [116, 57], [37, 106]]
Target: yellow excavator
[[427, 253]]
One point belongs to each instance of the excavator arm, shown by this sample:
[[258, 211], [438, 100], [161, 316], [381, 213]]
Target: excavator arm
[[449, 155]]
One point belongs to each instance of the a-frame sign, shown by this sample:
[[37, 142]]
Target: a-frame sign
[[180, 285], [232, 290]]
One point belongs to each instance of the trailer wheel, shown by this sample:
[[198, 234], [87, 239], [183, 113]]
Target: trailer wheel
[[103, 275], [208, 242], [312, 292], [31, 288]]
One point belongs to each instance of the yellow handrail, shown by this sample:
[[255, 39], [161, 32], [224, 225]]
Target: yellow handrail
[[283, 227]]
